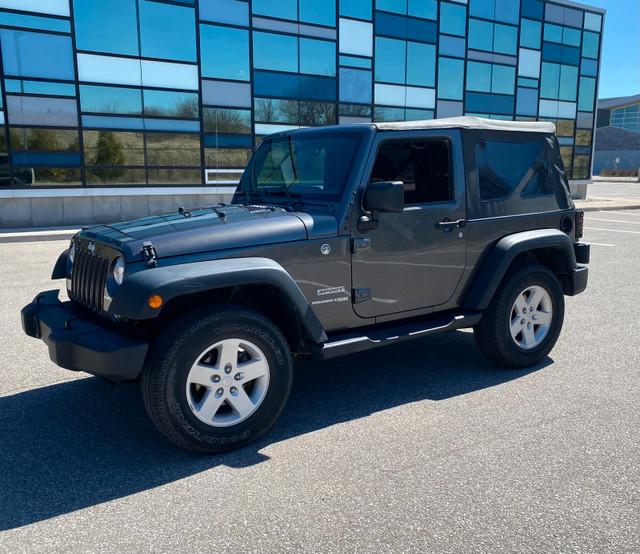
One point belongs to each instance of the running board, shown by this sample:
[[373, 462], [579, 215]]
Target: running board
[[356, 342]]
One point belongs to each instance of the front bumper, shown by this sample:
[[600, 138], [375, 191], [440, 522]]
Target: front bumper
[[79, 344]]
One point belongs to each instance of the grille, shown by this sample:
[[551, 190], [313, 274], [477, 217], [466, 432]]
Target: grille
[[88, 279]]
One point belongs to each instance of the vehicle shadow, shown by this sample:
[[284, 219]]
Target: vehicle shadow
[[77, 444]]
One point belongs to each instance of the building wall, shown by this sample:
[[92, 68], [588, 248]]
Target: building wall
[[156, 96]]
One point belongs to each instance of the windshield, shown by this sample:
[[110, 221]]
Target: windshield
[[315, 165]]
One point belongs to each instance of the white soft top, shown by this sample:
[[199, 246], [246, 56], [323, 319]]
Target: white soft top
[[469, 122]]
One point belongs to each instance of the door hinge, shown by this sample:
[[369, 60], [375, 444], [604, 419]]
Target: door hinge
[[361, 295], [149, 254], [358, 245]]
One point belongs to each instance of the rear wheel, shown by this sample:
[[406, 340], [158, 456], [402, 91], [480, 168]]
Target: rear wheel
[[524, 319], [217, 379]]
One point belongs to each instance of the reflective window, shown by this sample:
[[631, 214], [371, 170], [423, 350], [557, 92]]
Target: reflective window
[[391, 60], [453, 19], [172, 149], [355, 86], [568, 83], [113, 148], [451, 78], [550, 80], [98, 99], [233, 12], [479, 77], [32, 110], [53, 140], [541, 183], [272, 110], [47, 176], [480, 35], [226, 157], [593, 21], [503, 79], [356, 37], [397, 6], [530, 33], [565, 128], [107, 69], [587, 94], [317, 57], [527, 103], [34, 22], [552, 33], [450, 46], [152, 124], [220, 93], [590, 44], [507, 11], [529, 63], [314, 113], [356, 8], [116, 176], [421, 64], [170, 104], [29, 54], [355, 110], [169, 75], [427, 9], [571, 37], [319, 12], [221, 120], [39, 87], [505, 39], [107, 26], [583, 137], [53, 7], [532, 8], [352, 61], [482, 8], [227, 141], [589, 67], [283, 9], [174, 176], [112, 122], [388, 114], [275, 52], [159, 21], [224, 52]]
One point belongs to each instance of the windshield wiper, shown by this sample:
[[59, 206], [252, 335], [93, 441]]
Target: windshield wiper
[[283, 191]]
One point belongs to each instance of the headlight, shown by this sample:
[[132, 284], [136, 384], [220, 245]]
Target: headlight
[[72, 252], [118, 271]]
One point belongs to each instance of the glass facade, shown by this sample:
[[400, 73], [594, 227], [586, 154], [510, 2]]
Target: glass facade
[[170, 92]]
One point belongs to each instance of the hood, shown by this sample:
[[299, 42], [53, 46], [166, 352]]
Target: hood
[[210, 229]]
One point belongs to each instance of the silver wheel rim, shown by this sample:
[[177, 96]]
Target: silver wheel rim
[[531, 316], [227, 382]]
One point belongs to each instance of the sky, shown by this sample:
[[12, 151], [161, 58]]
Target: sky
[[620, 66]]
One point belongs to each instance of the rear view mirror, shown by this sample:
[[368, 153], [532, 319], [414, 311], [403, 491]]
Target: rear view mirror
[[384, 196]]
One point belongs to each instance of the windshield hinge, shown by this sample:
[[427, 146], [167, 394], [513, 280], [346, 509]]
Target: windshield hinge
[[361, 295], [149, 254], [360, 244]]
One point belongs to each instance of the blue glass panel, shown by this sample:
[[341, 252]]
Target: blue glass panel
[[568, 83], [524, 82], [33, 22], [360, 9], [28, 54], [453, 19], [427, 9], [552, 33], [424, 31], [318, 88], [388, 114], [397, 6], [482, 8], [355, 86], [478, 102], [502, 104], [275, 52], [532, 8], [317, 57], [352, 61], [571, 55], [503, 79], [46, 159], [421, 64], [283, 9], [319, 12], [589, 67], [554, 13], [571, 37], [294, 86], [159, 21], [391, 25], [228, 141], [479, 77], [530, 34], [36, 110], [527, 103], [39, 87], [587, 94], [550, 80], [170, 104], [170, 125], [107, 26], [505, 39], [225, 11], [507, 11], [110, 100], [480, 35], [235, 45], [450, 46], [592, 21], [451, 78], [390, 60], [552, 52], [590, 44], [413, 114], [106, 122], [53, 7]]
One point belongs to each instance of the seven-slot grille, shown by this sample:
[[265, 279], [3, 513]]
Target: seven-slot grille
[[88, 278]]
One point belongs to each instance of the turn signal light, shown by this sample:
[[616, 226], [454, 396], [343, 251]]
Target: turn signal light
[[155, 301], [579, 224]]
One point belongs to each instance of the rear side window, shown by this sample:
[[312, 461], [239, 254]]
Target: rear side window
[[503, 167]]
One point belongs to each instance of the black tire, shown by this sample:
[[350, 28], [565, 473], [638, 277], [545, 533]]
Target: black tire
[[533, 340], [180, 408]]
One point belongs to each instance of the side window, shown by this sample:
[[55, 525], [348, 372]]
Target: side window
[[505, 166], [424, 166]]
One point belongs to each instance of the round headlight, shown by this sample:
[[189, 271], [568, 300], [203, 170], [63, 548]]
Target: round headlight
[[72, 252], [118, 271]]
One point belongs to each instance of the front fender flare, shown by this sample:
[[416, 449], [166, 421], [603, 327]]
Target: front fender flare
[[131, 299]]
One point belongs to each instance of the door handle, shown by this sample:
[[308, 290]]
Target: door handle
[[447, 225]]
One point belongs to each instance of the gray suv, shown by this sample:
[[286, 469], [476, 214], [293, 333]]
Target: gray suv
[[338, 240]]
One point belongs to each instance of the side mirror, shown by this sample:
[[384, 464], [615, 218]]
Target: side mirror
[[384, 196]]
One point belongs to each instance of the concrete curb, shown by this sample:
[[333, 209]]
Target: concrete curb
[[596, 204]]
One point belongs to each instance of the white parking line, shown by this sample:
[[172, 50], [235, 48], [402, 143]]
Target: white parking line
[[614, 220], [619, 212], [601, 244], [613, 230]]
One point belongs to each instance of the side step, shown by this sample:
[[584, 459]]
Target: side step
[[358, 342]]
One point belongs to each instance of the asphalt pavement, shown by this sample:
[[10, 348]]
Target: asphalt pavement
[[419, 447]]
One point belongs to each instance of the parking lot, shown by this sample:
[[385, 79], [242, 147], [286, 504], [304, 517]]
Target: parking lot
[[420, 447]]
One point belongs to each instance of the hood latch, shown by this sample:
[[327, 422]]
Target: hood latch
[[149, 254]]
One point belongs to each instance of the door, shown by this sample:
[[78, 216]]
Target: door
[[415, 258]]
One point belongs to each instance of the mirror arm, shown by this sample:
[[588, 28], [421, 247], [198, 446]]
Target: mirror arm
[[368, 222]]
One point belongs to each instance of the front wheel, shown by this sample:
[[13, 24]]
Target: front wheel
[[217, 379], [524, 319]]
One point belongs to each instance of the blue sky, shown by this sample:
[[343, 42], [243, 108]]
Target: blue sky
[[620, 69]]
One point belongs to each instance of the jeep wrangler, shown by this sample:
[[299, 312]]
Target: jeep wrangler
[[337, 240]]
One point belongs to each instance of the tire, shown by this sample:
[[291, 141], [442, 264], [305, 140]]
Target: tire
[[217, 378], [524, 319]]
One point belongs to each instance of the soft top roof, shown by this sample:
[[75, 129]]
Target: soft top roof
[[469, 122]]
